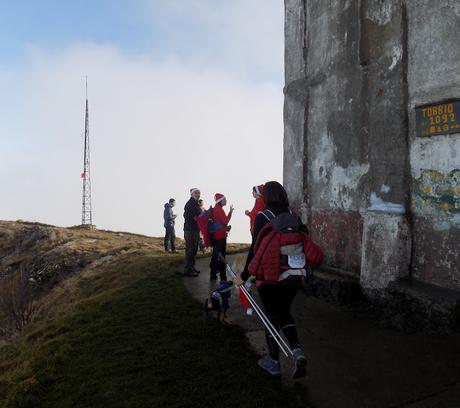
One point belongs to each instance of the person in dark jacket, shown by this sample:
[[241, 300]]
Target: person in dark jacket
[[191, 232], [276, 298], [169, 224]]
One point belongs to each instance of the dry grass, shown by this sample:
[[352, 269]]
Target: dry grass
[[122, 332], [17, 305], [38, 260]]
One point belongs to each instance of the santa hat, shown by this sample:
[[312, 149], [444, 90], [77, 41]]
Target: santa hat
[[194, 190], [218, 198], [259, 189]]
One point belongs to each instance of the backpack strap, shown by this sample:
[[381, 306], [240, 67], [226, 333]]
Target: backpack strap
[[267, 214]]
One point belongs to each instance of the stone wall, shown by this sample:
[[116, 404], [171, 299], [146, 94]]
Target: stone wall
[[353, 166]]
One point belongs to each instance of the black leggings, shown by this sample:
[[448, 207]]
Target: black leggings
[[277, 299], [217, 266]]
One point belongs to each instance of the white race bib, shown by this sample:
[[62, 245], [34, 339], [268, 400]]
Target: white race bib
[[296, 261]]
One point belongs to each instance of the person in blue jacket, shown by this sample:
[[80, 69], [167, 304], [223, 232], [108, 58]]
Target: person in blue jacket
[[169, 224]]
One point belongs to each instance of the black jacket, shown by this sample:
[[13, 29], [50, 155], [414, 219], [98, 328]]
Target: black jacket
[[191, 210]]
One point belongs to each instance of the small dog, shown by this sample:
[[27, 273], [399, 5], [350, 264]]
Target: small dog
[[218, 300]]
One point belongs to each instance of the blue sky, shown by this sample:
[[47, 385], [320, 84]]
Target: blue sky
[[183, 93], [53, 25], [191, 30]]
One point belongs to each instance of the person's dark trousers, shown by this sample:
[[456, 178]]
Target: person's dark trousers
[[191, 248], [276, 300], [217, 266], [170, 239]]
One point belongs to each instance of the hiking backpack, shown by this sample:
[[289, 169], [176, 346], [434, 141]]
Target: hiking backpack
[[283, 249], [207, 226]]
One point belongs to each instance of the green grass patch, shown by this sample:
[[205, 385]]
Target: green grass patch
[[133, 337]]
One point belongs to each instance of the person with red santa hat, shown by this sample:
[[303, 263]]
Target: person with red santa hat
[[219, 231], [259, 205]]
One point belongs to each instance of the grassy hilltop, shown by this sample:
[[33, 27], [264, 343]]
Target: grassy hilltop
[[102, 319]]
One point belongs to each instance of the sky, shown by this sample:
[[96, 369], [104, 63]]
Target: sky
[[182, 94]]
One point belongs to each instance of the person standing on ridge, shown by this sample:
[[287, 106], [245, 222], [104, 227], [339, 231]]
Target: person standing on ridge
[[219, 232], [191, 232], [169, 224], [259, 205]]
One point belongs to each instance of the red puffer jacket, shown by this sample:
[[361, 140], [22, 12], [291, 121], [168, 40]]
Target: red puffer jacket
[[266, 264]]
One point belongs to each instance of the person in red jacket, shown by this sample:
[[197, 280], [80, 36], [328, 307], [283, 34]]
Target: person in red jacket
[[259, 205], [219, 231], [277, 297]]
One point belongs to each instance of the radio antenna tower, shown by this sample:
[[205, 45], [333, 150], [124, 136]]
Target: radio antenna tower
[[86, 216]]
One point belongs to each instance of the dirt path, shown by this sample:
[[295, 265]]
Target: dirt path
[[352, 361]]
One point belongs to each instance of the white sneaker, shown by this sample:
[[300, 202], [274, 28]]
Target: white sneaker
[[271, 366]]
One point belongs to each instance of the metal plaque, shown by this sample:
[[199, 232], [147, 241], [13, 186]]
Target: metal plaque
[[438, 118]]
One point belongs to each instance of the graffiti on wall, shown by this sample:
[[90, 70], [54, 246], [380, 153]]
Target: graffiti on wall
[[436, 192]]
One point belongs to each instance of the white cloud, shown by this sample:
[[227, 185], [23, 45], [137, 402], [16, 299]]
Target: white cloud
[[245, 37], [157, 129]]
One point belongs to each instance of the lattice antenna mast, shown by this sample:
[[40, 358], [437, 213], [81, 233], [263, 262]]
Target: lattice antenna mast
[[86, 217]]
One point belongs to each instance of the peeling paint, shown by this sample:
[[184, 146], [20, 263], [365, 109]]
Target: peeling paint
[[447, 224], [382, 264], [439, 153], [396, 57], [378, 205], [436, 192], [341, 180], [380, 12], [455, 5]]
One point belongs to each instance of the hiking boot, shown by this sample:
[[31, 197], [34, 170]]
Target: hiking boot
[[300, 369], [190, 274], [271, 366]]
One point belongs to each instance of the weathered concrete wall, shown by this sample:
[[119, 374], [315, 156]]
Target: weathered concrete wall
[[323, 124], [434, 75], [295, 102], [383, 54], [355, 70]]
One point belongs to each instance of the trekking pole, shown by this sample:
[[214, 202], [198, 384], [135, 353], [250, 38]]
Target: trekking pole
[[268, 324], [284, 347]]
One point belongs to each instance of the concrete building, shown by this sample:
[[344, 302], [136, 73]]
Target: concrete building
[[372, 139]]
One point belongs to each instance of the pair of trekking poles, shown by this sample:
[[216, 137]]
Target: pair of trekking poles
[[284, 347]]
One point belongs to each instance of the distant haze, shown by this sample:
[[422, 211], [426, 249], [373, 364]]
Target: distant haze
[[193, 98]]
